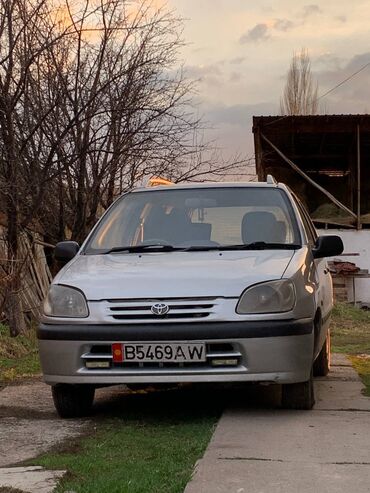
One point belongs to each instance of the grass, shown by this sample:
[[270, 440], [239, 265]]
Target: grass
[[149, 446], [18, 355], [350, 329], [362, 366]]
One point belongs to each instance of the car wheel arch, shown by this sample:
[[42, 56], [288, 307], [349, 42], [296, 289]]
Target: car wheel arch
[[317, 323]]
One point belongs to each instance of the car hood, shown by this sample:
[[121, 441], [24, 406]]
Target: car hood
[[172, 274]]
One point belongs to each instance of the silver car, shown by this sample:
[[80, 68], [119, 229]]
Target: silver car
[[191, 283]]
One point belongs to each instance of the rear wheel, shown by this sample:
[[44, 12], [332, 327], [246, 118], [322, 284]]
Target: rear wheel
[[299, 395], [321, 366], [73, 401]]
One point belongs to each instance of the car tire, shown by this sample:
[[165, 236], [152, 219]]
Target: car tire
[[73, 401], [299, 395], [321, 366]]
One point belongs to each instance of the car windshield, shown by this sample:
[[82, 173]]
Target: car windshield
[[191, 218]]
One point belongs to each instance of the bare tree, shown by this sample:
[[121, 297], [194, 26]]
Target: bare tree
[[300, 92], [92, 102], [26, 31], [127, 112]]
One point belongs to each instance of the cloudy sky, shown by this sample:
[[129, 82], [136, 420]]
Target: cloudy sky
[[240, 51]]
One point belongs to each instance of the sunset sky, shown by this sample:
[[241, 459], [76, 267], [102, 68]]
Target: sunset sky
[[241, 50]]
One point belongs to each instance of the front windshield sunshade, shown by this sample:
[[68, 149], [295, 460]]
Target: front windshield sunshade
[[197, 219]]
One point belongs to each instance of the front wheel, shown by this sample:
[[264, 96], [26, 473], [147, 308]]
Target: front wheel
[[73, 401], [299, 395]]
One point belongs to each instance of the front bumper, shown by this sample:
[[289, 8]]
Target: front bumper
[[274, 351]]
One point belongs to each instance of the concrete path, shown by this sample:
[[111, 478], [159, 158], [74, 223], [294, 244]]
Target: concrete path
[[32, 479], [326, 450]]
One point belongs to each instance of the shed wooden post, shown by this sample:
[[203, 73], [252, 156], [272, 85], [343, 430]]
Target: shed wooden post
[[358, 178], [260, 170]]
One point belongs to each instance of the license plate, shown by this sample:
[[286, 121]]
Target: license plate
[[163, 353]]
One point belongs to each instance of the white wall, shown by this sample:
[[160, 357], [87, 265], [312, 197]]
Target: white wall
[[355, 242]]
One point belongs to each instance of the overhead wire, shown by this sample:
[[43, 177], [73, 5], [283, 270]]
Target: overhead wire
[[343, 81], [329, 91]]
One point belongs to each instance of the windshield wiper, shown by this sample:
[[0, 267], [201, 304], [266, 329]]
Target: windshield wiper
[[158, 247], [256, 245], [155, 247], [262, 245]]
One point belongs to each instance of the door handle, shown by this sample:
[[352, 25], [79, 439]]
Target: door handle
[[326, 271]]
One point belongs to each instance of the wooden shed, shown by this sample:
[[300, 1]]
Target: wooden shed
[[325, 159]]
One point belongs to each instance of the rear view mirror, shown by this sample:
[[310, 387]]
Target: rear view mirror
[[200, 203], [66, 250], [328, 246]]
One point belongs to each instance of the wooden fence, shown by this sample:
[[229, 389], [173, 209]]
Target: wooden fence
[[33, 270]]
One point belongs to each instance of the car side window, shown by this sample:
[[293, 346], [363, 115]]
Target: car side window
[[310, 229]]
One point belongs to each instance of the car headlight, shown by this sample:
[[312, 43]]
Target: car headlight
[[268, 297], [64, 301]]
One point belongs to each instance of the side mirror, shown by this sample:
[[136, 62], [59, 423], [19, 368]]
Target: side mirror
[[66, 250], [328, 246]]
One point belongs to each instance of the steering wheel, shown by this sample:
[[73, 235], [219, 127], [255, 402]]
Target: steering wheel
[[155, 241]]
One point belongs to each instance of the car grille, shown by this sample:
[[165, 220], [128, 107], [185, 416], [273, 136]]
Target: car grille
[[102, 353], [179, 309]]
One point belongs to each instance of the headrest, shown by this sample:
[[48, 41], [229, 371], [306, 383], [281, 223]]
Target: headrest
[[262, 226]]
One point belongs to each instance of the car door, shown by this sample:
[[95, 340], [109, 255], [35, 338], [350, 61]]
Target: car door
[[322, 277]]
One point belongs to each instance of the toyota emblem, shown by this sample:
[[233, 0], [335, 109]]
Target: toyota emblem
[[160, 309]]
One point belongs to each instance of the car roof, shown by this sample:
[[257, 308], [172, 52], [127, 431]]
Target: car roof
[[187, 186]]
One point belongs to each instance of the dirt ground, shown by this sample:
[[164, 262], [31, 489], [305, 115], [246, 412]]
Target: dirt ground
[[29, 424]]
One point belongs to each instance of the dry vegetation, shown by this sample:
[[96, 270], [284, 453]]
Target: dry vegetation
[[19, 357]]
